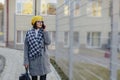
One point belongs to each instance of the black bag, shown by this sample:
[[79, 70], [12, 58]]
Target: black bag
[[25, 76]]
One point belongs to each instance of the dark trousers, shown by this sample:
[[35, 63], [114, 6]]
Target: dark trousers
[[43, 77]]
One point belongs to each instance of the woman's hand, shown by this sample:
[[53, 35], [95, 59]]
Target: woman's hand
[[44, 29]]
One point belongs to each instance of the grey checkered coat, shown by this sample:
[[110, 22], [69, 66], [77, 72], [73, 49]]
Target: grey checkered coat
[[40, 65]]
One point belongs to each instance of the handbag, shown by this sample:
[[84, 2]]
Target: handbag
[[25, 76]]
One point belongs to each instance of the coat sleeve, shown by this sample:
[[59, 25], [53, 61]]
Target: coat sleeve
[[26, 60], [47, 38]]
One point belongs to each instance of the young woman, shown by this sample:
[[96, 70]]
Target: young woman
[[35, 55]]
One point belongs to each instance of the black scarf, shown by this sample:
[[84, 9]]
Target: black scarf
[[36, 44]]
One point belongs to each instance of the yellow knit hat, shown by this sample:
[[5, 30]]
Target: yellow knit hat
[[36, 18]]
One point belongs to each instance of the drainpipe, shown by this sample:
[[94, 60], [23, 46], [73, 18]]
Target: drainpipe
[[7, 22], [35, 7]]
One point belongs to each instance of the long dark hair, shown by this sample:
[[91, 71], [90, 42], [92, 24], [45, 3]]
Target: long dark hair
[[43, 25]]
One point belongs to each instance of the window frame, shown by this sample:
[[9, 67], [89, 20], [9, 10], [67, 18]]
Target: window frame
[[52, 45], [22, 34], [89, 6], [33, 8], [46, 14], [78, 45], [90, 44], [66, 4], [75, 4], [68, 36], [21, 37], [51, 36]]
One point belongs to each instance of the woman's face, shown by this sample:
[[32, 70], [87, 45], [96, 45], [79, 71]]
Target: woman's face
[[39, 24]]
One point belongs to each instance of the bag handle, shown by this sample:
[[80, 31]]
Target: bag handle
[[26, 70]]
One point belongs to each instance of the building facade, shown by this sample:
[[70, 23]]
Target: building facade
[[18, 18], [92, 20], [91, 23]]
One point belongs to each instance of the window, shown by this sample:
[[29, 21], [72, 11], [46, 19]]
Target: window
[[18, 36], [109, 40], [66, 8], [53, 36], [48, 7], [24, 7], [76, 7], [24, 35], [66, 38], [93, 39], [76, 38], [21, 36], [94, 8]]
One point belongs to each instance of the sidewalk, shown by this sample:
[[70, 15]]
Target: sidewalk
[[14, 65]]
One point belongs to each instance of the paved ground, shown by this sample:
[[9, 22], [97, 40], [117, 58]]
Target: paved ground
[[14, 65], [2, 63], [92, 56]]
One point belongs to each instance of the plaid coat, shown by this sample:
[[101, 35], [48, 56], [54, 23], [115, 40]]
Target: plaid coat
[[40, 65]]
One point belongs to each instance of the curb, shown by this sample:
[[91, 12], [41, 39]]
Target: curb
[[2, 66], [58, 77]]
